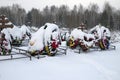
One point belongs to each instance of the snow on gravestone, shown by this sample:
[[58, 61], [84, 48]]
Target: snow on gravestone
[[5, 23], [43, 36]]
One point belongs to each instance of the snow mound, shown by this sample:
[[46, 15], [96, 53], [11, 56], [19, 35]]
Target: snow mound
[[26, 33], [16, 33], [64, 32], [51, 29], [42, 37], [7, 34], [24, 29], [101, 31], [36, 42], [78, 34], [7, 37]]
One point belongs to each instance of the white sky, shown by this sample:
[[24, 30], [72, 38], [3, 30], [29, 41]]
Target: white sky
[[40, 4]]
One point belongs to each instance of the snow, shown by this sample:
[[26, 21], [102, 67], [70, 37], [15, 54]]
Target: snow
[[24, 29], [89, 36], [79, 34], [36, 42], [7, 37], [100, 31], [9, 23], [34, 28], [91, 65], [43, 36], [64, 33], [51, 29], [7, 34], [97, 65], [115, 36], [15, 32], [6, 18]]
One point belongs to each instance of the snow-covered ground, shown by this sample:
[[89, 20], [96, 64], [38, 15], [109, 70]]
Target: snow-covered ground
[[115, 36], [94, 65]]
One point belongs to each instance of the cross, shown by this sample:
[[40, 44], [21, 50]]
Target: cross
[[3, 22], [82, 26]]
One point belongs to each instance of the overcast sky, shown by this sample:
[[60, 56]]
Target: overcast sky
[[40, 4]]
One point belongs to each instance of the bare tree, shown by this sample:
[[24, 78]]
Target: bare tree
[[65, 17], [107, 16]]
